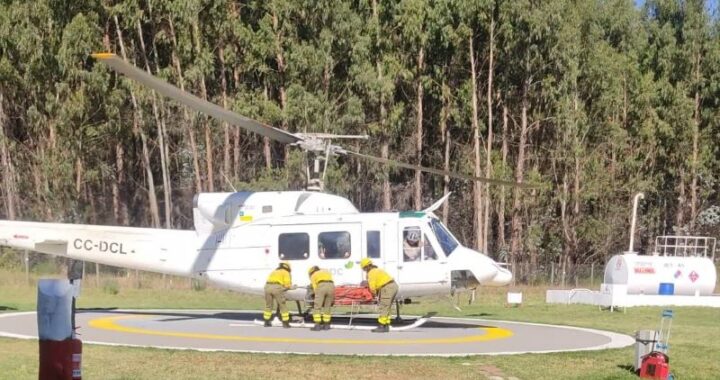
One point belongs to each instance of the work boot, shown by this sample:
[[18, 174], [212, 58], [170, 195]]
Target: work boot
[[381, 329], [326, 326], [268, 324], [318, 326], [286, 324]]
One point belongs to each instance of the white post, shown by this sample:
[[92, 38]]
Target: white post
[[26, 262], [636, 200]]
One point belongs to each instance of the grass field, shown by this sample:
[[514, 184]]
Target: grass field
[[694, 351]]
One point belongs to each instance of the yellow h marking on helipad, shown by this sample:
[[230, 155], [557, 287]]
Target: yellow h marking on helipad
[[110, 323]]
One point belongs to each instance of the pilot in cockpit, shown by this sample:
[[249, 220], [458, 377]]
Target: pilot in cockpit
[[411, 244]]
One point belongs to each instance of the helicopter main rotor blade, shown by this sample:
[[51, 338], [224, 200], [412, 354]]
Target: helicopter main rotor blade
[[437, 171], [192, 101]]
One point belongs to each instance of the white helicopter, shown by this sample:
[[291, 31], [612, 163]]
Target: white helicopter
[[240, 237]]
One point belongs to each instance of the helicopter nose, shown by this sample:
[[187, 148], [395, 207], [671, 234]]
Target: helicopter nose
[[482, 267], [502, 278]]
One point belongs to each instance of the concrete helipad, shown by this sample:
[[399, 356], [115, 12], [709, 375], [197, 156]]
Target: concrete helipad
[[213, 330]]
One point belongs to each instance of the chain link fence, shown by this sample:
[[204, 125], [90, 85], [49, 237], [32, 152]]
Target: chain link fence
[[588, 276], [554, 275]]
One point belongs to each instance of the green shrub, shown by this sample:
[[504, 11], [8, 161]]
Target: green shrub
[[45, 267], [10, 259], [199, 285], [110, 287]]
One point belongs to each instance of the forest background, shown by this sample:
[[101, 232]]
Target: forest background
[[590, 100]]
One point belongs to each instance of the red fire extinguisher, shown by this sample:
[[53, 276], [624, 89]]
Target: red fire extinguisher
[[76, 359], [60, 360]]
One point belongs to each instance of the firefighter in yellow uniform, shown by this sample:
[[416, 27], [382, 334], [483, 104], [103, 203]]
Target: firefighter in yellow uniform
[[324, 290], [381, 284], [277, 284]]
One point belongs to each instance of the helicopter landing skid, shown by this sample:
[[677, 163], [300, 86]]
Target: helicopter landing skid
[[418, 322]]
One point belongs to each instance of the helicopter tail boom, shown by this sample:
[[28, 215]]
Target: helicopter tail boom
[[155, 250]]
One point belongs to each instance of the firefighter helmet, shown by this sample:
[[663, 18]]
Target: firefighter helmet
[[284, 265], [365, 262]]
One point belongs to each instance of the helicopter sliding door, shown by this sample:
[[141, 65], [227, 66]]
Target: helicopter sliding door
[[422, 265], [379, 245]]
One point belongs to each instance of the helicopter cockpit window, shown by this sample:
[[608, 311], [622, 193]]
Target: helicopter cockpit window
[[417, 246], [293, 246], [448, 243], [229, 214], [373, 244], [428, 251], [334, 245], [411, 243]]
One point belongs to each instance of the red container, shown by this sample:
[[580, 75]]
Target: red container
[[655, 366], [76, 359], [60, 360]]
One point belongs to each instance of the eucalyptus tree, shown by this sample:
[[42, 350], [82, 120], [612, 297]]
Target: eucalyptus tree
[[446, 40], [375, 73]]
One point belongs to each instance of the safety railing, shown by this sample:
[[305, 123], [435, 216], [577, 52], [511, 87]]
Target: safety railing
[[695, 246]]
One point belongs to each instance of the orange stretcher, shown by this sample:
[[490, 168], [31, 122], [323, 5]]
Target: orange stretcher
[[349, 295], [355, 297]]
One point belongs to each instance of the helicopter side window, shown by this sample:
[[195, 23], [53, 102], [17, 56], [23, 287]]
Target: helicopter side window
[[411, 244], [293, 246], [373, 244], [334, 245]]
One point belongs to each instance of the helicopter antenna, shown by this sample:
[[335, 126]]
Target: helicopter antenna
[[229, 183]]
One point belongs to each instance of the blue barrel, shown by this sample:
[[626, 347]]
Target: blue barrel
[[666, 289]]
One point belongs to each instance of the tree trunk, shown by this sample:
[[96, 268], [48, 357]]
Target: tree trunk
[[137, 128], [40, 188], [695, 148], [572, 225], [516, 223], [164, 132], [267, 152], [680, 212], [280, 59], [445, 136], [385, 145], [120, 210], [236, 134], [419, 129], [206, 123], [154, 211], [502, 243], [160, 122], [186, 117], [226, 127], [78, 175], [488, 151], [91, 199], [9, 187], [387, 201], [118, 183], [477, 188]]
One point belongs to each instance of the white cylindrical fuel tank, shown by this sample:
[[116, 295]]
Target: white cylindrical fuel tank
[[643, 274]]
